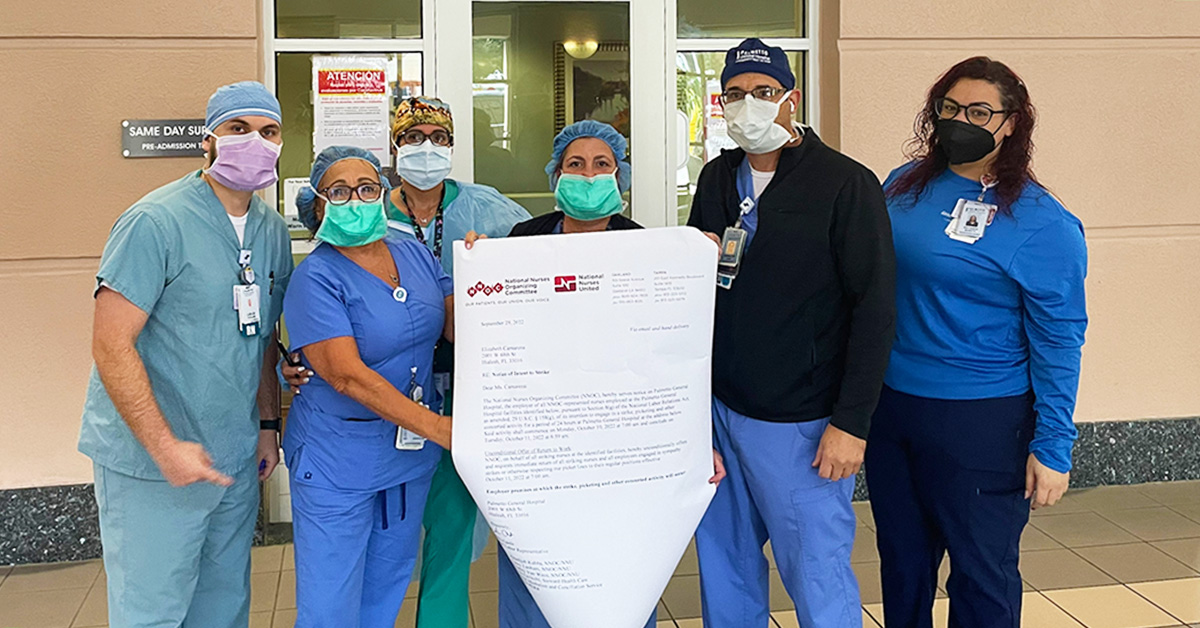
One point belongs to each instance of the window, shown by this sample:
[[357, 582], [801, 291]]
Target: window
[[698, 88], [705, 30], [536, 67], [384, 33], [348, 19], [752, 18]]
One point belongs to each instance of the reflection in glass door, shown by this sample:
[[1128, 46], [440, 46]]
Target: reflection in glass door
[[536, 67], [532, 67]]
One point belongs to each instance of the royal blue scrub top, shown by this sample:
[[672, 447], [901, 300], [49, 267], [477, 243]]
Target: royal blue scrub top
[[332, 440]]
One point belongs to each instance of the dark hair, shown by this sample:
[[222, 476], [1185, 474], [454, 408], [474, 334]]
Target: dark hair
[[1011, 167]]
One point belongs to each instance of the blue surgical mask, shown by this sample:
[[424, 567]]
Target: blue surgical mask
[[423, 165], [588, 198]]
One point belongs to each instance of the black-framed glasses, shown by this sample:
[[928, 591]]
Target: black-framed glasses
[[341, 194], [759, 93], [978, 114], [413, 137]]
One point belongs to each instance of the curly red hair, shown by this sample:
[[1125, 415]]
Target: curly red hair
[[1012, 165]]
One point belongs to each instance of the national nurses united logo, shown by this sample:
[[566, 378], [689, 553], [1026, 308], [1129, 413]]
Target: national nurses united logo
[[484, 289], [565, 283]]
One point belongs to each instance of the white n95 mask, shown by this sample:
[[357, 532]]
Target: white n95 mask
[[751, 123]]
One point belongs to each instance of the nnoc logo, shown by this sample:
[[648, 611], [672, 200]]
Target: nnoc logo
[[565, 283], [485, 290]]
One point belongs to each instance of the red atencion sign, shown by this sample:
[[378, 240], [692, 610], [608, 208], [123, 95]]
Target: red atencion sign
[[565, 283], [351, 82]]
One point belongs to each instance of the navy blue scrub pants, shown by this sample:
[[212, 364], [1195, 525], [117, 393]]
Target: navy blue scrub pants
[[949, 477]]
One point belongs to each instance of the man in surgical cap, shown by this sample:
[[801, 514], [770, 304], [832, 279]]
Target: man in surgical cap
[[181, 415]]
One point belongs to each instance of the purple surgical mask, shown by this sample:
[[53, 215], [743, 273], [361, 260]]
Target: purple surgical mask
[[245, 162]]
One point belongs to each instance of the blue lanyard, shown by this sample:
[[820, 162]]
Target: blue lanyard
[[748, 204]]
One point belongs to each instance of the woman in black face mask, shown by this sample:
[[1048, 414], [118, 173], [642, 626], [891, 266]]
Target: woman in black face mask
[[974, 425]]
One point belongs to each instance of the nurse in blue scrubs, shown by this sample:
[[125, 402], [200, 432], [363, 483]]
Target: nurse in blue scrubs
[[974, 426], [364, 312]]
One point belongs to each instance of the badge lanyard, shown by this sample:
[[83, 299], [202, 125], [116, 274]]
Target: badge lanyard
[[437, 223], [970, 218], [246, 296], [407, 440], [737, 238], [745, 190]]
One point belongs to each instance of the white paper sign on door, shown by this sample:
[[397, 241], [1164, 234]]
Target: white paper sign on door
[[582, 416], [350, 103]]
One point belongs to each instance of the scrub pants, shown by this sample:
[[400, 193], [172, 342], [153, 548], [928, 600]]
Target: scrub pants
[[771, 491], [355, 553], [446, 562], [517, 606], [949, 476], [177, 556]]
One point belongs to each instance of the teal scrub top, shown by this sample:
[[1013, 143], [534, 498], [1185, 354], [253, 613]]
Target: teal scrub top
[[468, 207], [174, 254]]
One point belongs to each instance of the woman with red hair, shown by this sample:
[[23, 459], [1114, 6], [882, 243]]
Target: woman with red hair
[[974, 425]]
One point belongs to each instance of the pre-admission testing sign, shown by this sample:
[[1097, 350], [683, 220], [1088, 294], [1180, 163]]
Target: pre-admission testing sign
[[162, 138]]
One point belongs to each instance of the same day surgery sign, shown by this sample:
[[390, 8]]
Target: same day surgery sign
[[162, 138]]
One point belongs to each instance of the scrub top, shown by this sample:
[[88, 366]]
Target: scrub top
[[174, 254], [332, 440], [996, 318], [468, 207]]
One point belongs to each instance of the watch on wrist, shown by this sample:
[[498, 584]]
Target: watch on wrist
[[272, 424]]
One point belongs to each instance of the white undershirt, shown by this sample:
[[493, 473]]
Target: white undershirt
[[760, 180], [239, 225]]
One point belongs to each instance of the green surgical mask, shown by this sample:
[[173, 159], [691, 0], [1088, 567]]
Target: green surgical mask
[[588, 198], [354, 224]]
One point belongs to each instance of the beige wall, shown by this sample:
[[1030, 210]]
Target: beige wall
[[71, 72], [1112, 82]]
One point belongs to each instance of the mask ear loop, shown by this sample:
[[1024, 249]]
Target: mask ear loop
[[794, 133]]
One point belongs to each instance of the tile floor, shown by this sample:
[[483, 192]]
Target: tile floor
[[1111, 557]]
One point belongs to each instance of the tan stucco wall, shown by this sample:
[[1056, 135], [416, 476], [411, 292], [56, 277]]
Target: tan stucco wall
[[71, 71], [1112, 82]]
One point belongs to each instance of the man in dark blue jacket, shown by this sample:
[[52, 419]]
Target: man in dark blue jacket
[[804, 325]]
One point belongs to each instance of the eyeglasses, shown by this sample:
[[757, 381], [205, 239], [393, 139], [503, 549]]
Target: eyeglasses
[[413, 137], [341, 194], [978, 114], [759, 93]]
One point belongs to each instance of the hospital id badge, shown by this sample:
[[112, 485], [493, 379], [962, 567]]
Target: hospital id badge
[[245, 299], [733, 245], [973, 219], [407, 440]]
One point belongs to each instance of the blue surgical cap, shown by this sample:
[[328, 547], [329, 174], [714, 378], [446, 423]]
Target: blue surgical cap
[[248, 98], [600, 131], [306, 199]]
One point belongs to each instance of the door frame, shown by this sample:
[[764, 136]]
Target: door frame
[[652, 96]]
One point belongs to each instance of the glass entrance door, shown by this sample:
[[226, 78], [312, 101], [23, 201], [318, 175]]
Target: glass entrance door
[[527, 68]]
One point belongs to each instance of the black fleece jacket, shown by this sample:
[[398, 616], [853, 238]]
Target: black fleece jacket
[[806, 329]]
